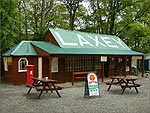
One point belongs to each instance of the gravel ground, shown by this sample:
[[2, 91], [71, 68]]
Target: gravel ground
[[14, 99]]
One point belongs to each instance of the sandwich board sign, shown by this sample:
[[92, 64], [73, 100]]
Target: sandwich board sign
[[91, 85]]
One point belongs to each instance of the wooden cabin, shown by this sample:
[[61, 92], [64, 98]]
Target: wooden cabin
[[68, 56]]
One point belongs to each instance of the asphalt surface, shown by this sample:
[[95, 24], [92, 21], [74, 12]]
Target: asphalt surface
[[14, 99]]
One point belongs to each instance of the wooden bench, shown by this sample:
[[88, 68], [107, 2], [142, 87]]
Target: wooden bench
[[40, 87], [110, 83], [80, 75], [43, 84], [123, 82]]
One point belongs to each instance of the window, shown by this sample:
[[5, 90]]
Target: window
[[54, 64], [97, 63], [68, 64], [88, 63], [80, 63], [22, 64], [119, 59]]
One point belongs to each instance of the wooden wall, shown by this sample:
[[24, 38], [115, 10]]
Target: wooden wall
[[12, 76]]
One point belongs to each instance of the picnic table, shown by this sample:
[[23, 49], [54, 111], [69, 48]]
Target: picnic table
[[124, 82], [44, 84]]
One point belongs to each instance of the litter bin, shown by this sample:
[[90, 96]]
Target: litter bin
[[30, 74]]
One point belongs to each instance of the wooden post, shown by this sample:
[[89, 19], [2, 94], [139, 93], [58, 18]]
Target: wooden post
[[130, 65], [125, 64], [142, 65], [50, 67], [93, 59], [103, 60], [102, 71], [65, 70], [72, 70]]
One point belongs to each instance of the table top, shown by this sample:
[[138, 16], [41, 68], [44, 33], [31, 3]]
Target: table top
[[43, 79], [128, 77]]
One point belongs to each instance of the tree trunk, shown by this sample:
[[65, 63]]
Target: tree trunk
[[114, 6], [72, 6], [43, 13]]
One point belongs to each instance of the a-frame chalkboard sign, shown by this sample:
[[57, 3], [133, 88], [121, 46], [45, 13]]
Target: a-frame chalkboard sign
[[91, 85]]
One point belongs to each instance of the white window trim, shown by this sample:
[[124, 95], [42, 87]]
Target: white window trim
[[19, 70]]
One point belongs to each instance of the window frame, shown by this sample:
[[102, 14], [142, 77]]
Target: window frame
[[80, 63], [19, 65]]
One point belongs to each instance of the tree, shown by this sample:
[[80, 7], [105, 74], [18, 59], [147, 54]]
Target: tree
[[134, 26], [23, 19], [9, 27], [120, 17], [72, 6], [29, 19]]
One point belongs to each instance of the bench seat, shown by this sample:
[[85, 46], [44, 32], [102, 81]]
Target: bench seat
[[40, 88], [130, 85], [122, 84], [80, 75], [110, 83], [83, 77]]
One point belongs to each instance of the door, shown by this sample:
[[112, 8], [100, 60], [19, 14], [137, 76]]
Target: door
[[40, 67], [106, 69]]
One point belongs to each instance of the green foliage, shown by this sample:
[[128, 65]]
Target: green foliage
[[29, 20], [134, 28], [9, 23], [59, 17]]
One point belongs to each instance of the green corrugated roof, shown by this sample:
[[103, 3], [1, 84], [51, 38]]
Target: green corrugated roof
[[53, 49], [73, 42], [24, 48], [49, 47], [76, 39]]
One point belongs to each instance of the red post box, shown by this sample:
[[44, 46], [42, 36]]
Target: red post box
[[30, 74]]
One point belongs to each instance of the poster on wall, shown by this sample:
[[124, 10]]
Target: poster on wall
[[54, 65], [91, 85], [103, 58], [5, 64]]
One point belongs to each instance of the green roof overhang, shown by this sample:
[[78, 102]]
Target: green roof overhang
[[53, 49], [74, 42]]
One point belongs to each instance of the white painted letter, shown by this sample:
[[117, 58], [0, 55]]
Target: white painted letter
[[64, 43], [118, 41], [83, 41], [108, 42], [96, 41]]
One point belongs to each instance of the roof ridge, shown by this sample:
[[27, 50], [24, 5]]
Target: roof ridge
[[17, 47], [23, 41]]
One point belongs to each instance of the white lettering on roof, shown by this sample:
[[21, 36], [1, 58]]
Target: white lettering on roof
[[83, 41], [92, 41], [108, 42], [97, 41], [65, 43], [118, 41]]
